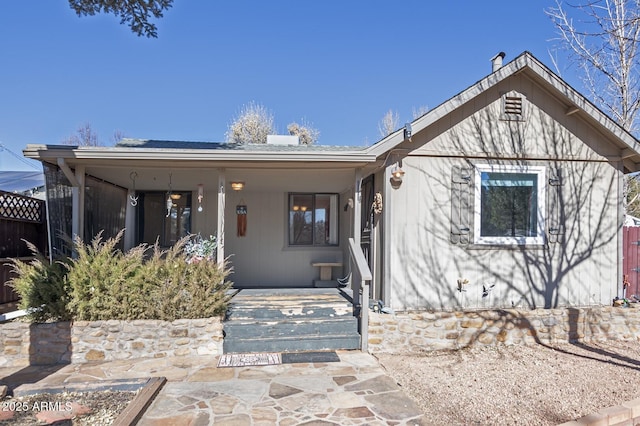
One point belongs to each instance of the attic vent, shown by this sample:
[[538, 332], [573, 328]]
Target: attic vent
[[513, 106]]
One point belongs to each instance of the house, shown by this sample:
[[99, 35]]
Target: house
[[509, 194]]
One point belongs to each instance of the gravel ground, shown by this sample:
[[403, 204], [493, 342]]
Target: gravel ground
[[105, 407], [518, 385]]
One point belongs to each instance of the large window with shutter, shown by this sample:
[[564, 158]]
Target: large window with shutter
[[509, 204]]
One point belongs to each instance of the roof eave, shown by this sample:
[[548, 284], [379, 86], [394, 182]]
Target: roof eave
[[49, 152]]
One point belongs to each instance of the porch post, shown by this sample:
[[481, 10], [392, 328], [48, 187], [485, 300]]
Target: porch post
[[76, 193], [81, 206], [129, 221], [221, 209], [357, 207]]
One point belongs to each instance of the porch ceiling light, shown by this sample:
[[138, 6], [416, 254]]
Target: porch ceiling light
[[397, 174], [237, 186], [175, 196]]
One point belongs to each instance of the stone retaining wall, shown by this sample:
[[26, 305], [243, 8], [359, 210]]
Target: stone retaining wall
[[23, 344], [428, 331]]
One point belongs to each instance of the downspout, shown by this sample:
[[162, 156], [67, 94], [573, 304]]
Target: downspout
[[621, 213], [357, 207], [386, 237]]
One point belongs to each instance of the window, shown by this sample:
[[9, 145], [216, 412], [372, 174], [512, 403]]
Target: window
[[313, 219], [509, 201]]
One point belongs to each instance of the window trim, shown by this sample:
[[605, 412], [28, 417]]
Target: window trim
[[538, 240], [313, 218]]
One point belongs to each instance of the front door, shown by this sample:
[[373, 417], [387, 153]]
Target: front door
[[163, 217]]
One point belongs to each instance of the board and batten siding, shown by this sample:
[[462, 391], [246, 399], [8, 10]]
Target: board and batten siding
[[576, 268], [263, 258]]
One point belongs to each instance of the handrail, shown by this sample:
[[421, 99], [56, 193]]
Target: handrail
[[361, 278]]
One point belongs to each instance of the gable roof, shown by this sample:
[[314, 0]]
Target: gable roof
[[526, 63]]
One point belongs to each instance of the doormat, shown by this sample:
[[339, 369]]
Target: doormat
[[304, 357], [243, 360]]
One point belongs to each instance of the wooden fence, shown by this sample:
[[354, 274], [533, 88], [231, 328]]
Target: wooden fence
[[21, 219]]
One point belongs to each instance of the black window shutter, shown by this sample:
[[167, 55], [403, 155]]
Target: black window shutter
[[556, 219], [461, 204]]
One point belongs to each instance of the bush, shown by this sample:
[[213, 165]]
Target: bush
[[103, 283], [42, 287]]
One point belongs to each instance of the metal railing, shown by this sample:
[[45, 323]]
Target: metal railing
[[360, 279]]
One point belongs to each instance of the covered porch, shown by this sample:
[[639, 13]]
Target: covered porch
[[282, 216]]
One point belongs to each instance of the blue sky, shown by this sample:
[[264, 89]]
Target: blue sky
[[339, 65]]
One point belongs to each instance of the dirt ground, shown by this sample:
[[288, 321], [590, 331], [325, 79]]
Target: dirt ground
[[519, 385]]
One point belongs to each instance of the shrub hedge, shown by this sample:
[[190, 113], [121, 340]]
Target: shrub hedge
[[101, 282]]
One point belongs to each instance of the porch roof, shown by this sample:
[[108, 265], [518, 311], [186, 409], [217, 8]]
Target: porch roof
[[211, 154]]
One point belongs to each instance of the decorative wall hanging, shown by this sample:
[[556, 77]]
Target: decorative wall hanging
[[200, 196], [133, 199], [377, 203], [169, 198], [241, 213]]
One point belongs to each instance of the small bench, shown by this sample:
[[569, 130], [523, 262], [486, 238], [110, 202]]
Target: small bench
[[325, 269]]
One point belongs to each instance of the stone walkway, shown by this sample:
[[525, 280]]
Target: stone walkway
[[353, 391]]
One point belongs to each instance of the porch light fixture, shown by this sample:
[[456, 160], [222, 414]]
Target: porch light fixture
[[296, 208], [175, 197], [397, 174], [200, 196], [237, 186]]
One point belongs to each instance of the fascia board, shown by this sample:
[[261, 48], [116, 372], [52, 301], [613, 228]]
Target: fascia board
[[43, 152]]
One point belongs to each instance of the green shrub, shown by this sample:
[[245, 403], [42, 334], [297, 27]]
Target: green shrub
[[101, 283], [42, 287], [195, 288]]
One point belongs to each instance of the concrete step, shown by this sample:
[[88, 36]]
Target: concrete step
[[305, 327], [291, 344]]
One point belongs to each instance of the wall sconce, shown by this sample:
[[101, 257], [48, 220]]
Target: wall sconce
[[397, 174], [237, 186], [200, 196]]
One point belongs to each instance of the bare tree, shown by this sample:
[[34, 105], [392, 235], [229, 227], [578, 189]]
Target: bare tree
[[252, 125], [603, 41], [308, 135], [84, 136], [135, 13], [117, 136], [389, 123], [420, 111]]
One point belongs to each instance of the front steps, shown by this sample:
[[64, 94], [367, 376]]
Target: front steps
[[290, 320]]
